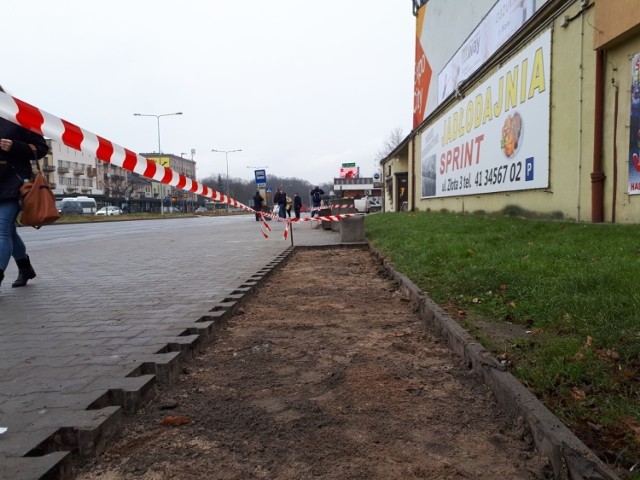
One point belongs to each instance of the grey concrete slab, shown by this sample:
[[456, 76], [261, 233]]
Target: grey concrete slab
[[116, 307]]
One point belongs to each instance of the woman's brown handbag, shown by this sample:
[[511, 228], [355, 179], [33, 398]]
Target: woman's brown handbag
[[38, 204]]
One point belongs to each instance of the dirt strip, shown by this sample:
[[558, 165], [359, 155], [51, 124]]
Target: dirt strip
[[326, 372]]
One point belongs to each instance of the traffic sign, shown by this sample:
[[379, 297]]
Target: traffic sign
[[269, 190], [261, 176], [352, 164]]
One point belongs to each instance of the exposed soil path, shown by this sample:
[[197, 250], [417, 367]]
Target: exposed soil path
[[325, 373]]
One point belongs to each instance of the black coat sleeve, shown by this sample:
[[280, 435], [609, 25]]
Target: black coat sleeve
[[21, 148]]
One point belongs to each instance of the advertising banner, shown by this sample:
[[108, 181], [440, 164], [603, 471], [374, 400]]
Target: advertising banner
[[422, 73], [504, 19], [634, 130], [164, 161], [497, 138], [349, 172]]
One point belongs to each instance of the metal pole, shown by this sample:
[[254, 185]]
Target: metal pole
[[291, 232], [161, 189], [226, 156]]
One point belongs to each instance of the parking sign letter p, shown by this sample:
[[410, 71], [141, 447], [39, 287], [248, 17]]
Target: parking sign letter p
[[529, 169]]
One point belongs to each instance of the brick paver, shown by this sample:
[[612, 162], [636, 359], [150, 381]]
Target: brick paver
[[110, 313]]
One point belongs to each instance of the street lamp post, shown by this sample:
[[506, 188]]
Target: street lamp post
[[226, 156], [161, 192]]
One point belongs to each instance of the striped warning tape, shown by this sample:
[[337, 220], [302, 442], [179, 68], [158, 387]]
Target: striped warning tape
[[340, 206], [46, 124]]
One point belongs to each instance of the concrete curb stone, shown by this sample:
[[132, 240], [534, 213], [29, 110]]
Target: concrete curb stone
[[569, 457]]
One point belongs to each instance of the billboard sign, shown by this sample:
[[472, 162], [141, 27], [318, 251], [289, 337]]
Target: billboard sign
[[504, 19], [349, 172], [497, 138], [164, 161], [634, 130], [446, 56]]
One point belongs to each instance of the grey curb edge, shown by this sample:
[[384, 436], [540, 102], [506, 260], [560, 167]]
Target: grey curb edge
[[569, 457]]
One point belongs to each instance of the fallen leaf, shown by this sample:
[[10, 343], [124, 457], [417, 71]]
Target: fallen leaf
[[633, 425], [612, 354], [594, 426], [578, 394], [608, 354], [578, 357], [628, 372], [175, 420]]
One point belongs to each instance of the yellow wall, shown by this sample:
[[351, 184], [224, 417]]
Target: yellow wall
[[618, 70], [394, 165], [571, 114], [571, 133]]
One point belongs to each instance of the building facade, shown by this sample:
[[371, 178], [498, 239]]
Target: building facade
[[72, 173], [529, 107]]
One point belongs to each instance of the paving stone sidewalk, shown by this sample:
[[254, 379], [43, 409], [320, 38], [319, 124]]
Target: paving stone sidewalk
[[114, 309]]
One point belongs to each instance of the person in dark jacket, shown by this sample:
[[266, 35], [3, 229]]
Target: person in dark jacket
[[18, 147], [297, 205], [257, 204], [280, 199], [316, 200]]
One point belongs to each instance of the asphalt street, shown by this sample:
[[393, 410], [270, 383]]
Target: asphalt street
[[115, 307]]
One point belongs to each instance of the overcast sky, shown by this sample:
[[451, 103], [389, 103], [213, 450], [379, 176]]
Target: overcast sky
[[300, 86]]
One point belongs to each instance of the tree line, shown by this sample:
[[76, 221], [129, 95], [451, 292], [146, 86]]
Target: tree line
[[243, 190]]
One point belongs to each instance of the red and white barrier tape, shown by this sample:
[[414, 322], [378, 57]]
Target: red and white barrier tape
[[340, 206], [48, 125]]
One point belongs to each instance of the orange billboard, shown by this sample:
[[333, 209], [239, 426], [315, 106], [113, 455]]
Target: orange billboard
[[422, 75]]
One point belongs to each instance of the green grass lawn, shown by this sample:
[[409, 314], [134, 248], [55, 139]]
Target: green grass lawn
[[574, 289]]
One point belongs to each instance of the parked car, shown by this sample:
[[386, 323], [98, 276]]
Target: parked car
[[70, 208], [104, 211]]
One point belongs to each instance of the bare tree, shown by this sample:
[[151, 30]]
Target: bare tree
[[390, 143]]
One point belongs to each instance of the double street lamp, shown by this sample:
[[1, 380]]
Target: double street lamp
[[159, 148], [226, 155]]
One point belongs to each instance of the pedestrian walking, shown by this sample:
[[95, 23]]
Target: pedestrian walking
[[257, 205], [18, 147], [289, 205], [297, 205], [280, 199], [316, 201]]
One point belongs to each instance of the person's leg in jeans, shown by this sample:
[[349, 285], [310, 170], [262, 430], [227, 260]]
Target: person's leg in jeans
[[10, 241]]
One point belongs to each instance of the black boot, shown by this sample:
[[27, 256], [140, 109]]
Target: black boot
[[1, 275], [25, 273]]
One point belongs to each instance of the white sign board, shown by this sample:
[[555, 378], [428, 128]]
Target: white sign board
[[504, 19], [497, 138]]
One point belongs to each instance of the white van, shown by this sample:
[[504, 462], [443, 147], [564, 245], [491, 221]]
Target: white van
[[362, 205], [88, 204]]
